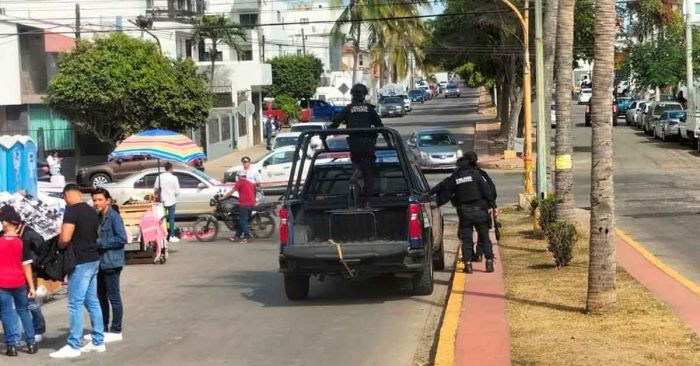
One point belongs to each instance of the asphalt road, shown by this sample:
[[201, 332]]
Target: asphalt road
[[222, 303], [656, 190]]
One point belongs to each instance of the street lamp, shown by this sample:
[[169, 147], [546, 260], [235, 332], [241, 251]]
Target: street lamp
[[524, 19]]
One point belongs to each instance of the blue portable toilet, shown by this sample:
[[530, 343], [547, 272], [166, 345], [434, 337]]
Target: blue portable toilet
[[14, 166], [5, 143], [28, 174]]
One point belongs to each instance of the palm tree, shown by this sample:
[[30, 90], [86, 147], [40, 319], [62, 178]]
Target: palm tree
[[357, 10], [602, 267], [564, 178], [550, 33], [218, 29]]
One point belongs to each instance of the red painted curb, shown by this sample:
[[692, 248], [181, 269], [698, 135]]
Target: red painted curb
[[483, 336]]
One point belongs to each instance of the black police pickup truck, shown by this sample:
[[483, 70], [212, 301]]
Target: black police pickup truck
[[322, 231]]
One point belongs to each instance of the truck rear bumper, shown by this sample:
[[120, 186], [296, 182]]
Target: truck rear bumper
[[365, 259]]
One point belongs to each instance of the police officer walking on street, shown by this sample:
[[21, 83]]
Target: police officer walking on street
[[359, 114], [474, 199]]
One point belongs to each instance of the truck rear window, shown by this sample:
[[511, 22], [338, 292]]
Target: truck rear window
[[331, 181]]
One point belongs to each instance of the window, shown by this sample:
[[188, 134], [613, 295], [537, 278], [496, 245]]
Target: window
[[697, 8], [362, 61], [279, 17], [246, 55], [304, 21], [281, 158], [225, 128], [213, 125], [248, 20], [187, 180], [146, 182]]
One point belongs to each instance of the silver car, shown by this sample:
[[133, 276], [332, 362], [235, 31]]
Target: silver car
[[658, 108], [667, 125], [196, 189], [434, 149], [632, 110]]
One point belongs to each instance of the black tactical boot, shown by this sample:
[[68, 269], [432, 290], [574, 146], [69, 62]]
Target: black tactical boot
[[468, 267], [489, 265]]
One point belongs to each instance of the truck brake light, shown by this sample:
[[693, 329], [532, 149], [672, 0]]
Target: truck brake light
[[284, 227], [415, 231]]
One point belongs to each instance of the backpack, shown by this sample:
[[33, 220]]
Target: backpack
[[55, 263]]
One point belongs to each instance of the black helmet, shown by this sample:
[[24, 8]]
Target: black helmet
[[359, 92]]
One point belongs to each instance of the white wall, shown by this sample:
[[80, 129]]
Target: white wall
[[11, 90]]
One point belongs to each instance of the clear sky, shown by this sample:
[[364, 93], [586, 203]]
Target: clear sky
[[438, 8]]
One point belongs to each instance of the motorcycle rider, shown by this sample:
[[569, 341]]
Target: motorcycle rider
[[474, 199], [359, 114], [246, 203]]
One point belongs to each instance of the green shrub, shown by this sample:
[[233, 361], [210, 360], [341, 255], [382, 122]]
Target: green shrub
[[562, 237], [548, 211], [288, 106]]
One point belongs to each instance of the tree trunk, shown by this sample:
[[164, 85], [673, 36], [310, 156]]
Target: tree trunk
[[503, 109], [564, 178], [550, 33], [212, 57], [602, 267], [516, 104], [356, 55]]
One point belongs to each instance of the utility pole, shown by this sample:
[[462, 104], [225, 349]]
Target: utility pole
[[524, 19], [542, 135], [303, 41], [690, 119], [262, 48], [77, 21]]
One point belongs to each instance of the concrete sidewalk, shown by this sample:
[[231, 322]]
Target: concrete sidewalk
[[216, 167], [490, 150]]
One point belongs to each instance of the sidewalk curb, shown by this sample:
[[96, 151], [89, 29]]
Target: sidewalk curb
[[447, 339], [658, 263]]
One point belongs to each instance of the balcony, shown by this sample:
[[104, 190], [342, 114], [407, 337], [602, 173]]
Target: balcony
[[243, 6], [175, 10]]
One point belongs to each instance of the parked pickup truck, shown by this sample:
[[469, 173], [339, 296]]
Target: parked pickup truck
[[321, 110], [324, 233]]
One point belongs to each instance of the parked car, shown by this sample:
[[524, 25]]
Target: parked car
[[196, 189], [392, 106], [434, 149], [658, 108], [553, 114], [667, 125], [623, 103], [285, 139], [321, 110], [587, 114], [453, 91], [301, 127], [417, 95], [427, 93], [642, 109], [117, 169], [434, 90], [585, 95], [401, 234], [631, 112], [270, 109], [274, 169], [406, 102]]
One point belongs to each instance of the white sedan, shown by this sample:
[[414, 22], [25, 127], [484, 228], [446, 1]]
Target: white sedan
[[196, 189]]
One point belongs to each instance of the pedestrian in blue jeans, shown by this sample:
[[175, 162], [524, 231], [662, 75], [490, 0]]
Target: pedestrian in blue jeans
[[111, 241], [16, 284], [246, 203], [79, 233], [167, 188]]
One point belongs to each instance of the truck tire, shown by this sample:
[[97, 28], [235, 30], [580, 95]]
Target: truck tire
[[439, 258], [423, 281], [296, 287]]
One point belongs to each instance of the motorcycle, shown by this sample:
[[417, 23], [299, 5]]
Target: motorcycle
[[262, 219]]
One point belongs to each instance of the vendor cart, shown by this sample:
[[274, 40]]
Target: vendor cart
[[139, 250]]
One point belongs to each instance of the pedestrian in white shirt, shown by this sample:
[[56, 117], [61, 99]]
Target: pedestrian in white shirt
[[167, 188], [54, 162], [251, 174]]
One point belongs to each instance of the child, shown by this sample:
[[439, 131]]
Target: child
[[15, 278]]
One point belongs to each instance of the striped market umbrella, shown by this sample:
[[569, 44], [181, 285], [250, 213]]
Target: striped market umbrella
[[159, 144]]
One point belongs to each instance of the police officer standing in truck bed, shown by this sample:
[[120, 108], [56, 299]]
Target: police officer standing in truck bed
[[474, 199], [359, 114]]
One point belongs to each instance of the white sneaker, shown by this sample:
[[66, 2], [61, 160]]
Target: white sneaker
[[113, 337], [65, 352], [38, 338], [174, 239], [90, 347]]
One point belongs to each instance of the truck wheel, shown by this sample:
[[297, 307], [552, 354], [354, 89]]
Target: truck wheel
[[423, 281], [296, 287], [439, 258]]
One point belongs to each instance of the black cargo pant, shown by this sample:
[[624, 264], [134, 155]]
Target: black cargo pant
[[470, 218], [362, 157]]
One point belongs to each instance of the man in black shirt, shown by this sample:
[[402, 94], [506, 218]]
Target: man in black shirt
[[475, 198], [79, 234], [359, 114]]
